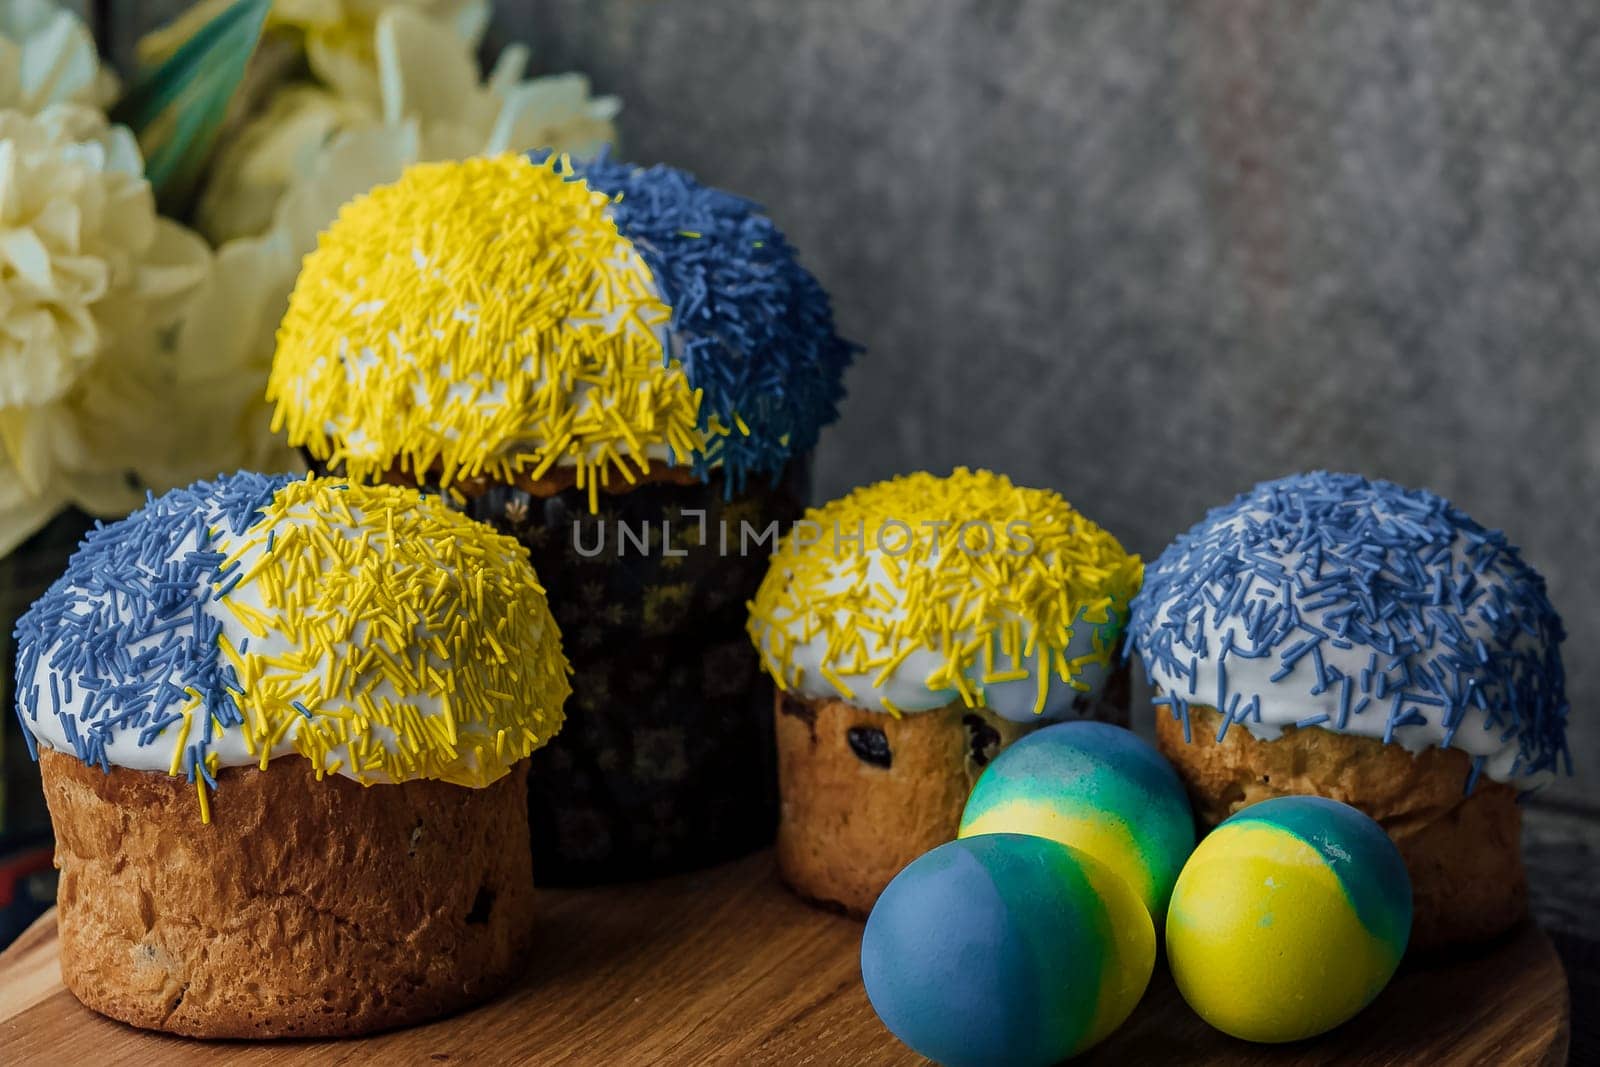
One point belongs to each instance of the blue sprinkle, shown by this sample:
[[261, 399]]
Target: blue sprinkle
[[1477, 769], [753, 329], [124, 628], [1449, 613]]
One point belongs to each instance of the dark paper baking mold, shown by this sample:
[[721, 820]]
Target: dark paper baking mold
[[666, 761]]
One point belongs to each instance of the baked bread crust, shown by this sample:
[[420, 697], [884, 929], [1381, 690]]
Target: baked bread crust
[[1463, 850], [847, 825], [304, 908]]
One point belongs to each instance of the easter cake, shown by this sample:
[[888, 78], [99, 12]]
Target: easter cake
[[913, 629], [1326, 634], [626, 370], [283, 727]]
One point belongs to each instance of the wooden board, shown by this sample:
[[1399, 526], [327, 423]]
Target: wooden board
[[727, 967]]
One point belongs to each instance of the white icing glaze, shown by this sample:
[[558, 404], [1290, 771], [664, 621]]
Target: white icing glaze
[[906, 687], [229, 743], [1290, 701]]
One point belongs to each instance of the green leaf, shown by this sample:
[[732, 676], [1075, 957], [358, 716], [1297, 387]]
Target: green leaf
[[177, 109]]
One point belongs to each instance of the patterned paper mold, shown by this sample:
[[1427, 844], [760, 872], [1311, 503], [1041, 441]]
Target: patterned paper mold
[[369, 629], [913, 593], [1331, 601]]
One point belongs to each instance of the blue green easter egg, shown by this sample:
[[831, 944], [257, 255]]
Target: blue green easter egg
[[1289, 918], [1098, 788], [1006, 949]]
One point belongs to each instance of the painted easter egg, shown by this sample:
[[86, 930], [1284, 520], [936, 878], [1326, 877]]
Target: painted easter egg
[[1288, 919], [1098, 788], [1006, 949]]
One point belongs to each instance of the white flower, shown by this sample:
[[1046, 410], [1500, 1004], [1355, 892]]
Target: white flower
[[251, 170], [298, 164], [224, 352], [429, 97], [339, 34], [84, 258], [23, 511], [48, 57], [91, 280], [336, 35]]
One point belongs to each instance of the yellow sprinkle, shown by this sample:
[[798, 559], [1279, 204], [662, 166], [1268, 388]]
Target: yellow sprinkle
[[837, 682], [523, 268], [183, 739], [351, 616], [925, 591]]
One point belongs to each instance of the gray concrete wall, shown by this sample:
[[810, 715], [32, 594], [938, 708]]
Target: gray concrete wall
[[1151, 253]]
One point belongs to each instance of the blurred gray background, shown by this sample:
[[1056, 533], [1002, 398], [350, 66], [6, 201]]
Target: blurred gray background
[[1149, 254]]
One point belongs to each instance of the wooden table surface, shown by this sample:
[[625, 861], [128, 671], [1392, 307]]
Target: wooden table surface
[[726, 967]]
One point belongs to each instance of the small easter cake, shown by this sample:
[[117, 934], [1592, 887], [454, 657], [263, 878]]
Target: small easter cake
[[283, 726], [626, 370], [1326, 634], [913, 629]]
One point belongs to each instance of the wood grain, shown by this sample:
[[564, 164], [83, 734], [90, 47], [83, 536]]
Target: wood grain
[[727, 967]]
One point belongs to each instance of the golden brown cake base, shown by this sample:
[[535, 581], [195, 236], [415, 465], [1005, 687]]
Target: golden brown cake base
[[303, 908], [1463, 850], [851, 816]]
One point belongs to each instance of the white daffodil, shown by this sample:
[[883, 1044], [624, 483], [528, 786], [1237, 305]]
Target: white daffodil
[[252, 169], [309, 153], [223, 355]]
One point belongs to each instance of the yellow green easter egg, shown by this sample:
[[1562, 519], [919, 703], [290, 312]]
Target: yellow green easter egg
[[1098, 788], [1288, 919]]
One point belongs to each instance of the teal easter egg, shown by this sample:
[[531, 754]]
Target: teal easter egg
[[1006, 949], [1098, 788], [1289, 918]]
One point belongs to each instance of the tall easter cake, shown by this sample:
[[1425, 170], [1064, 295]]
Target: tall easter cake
[[283, 726], [620, 367], [913, 629]]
